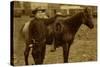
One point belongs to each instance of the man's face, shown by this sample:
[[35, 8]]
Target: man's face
[[41, 14]]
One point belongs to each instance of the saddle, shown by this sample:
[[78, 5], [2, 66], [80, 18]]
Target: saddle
[[58, 26]]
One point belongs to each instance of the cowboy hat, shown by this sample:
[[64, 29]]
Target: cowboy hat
[[37, 9]]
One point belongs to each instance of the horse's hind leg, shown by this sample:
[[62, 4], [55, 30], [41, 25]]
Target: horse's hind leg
[[26, 54], [66, 48]]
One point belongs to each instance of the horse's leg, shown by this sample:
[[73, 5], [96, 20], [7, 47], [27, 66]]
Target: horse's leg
[[53, 46], [66, 48], [26, 53]]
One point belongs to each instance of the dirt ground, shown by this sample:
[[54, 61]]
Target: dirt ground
[[83, 49]]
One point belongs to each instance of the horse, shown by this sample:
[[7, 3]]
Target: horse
[[64, 31], [35, 34]]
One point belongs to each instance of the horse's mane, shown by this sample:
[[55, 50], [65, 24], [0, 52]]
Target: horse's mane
[[73, 17]]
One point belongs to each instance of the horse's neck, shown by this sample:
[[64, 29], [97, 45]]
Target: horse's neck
[[74, 23], [52, 19]]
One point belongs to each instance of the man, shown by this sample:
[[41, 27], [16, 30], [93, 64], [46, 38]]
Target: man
[[40, 13], [35, 36]]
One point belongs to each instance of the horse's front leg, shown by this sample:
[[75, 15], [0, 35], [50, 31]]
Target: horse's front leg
[[53, 46], [26, 54], [66, 48]]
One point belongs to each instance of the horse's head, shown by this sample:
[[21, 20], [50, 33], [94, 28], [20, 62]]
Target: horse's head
[[88, 20]]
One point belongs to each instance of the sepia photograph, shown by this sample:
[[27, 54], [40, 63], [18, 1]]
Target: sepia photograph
[[52, 33]]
